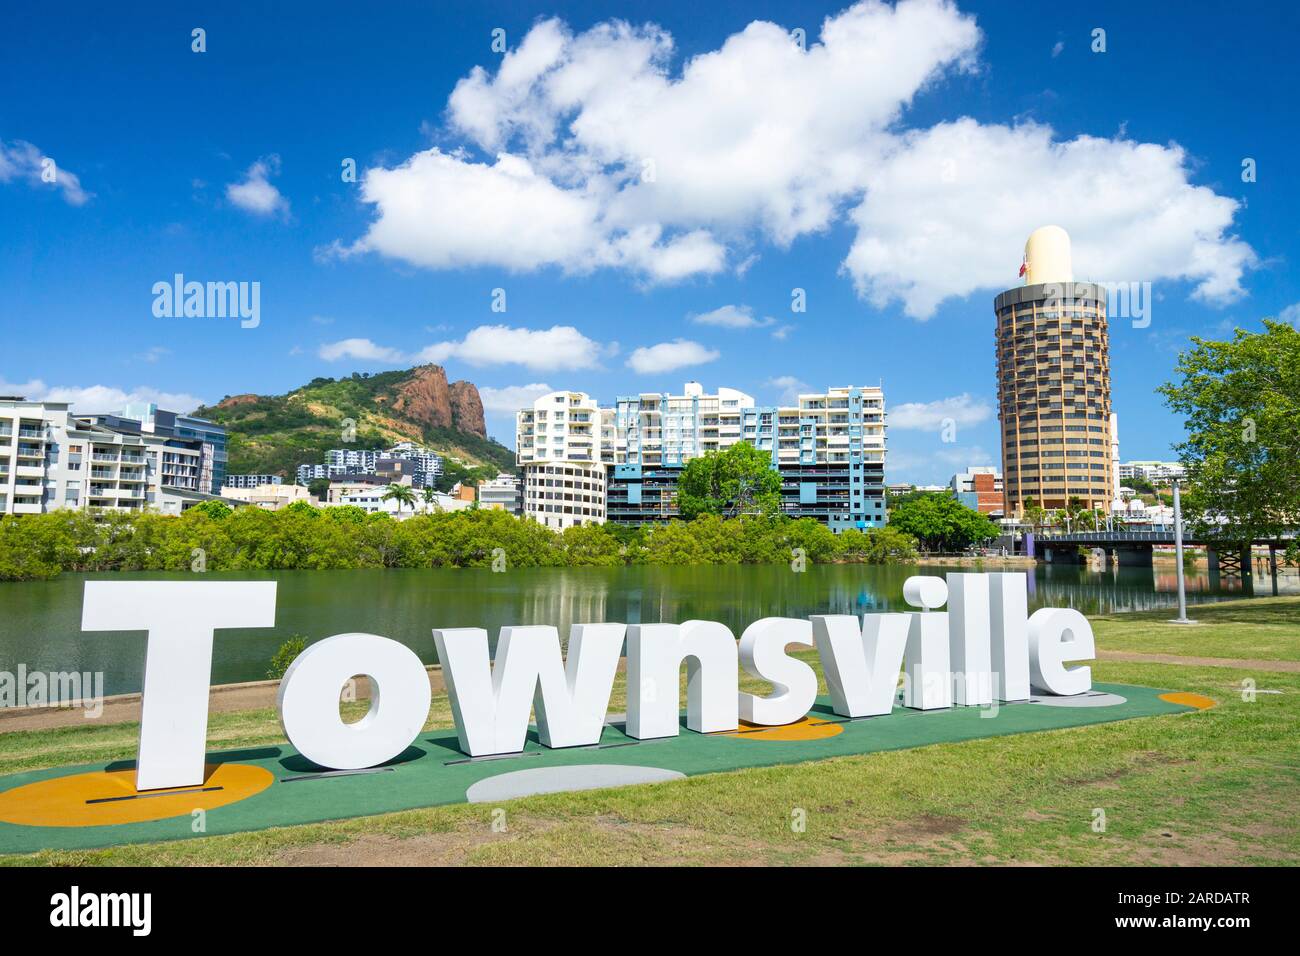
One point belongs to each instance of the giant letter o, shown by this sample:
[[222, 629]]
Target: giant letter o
[[309, 701]]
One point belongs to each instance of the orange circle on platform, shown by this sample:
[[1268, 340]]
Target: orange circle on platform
[[807, 728], [1187, 699], [109, 796]]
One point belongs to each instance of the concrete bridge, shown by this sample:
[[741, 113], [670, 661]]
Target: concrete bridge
[[1228, 558]]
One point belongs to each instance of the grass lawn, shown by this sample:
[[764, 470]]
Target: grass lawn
[[1216, 786], [1265, 629]]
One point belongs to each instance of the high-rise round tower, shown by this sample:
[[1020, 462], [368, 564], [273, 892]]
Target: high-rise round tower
[[1053, 361]]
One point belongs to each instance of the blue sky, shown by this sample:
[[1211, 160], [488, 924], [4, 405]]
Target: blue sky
[[890, 168]]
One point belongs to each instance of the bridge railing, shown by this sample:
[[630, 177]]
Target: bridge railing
[[1081, 536]]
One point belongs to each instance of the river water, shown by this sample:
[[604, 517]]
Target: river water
[[40, 621]]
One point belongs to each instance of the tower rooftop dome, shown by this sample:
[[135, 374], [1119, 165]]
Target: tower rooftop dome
[[1047, 256]]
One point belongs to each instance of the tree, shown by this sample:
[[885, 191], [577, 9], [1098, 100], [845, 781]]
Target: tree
[[739, 480], [1241, 406], [319, 488], [430, 497], [1035, 513], [402, 494], [942, 523]]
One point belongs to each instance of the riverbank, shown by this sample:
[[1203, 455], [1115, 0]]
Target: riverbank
[[1219, 786], [983, 563]]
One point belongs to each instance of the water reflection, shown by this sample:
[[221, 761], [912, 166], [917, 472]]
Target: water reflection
[[40, 621]]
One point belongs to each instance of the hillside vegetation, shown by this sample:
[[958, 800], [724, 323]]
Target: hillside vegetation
[[274, 434]]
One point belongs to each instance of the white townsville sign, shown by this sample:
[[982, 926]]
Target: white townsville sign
[[985, 647]]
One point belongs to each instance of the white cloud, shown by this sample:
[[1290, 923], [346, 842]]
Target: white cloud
[[789, 387], [90, 399], [605, 156], [732, 317], [1057, 47], [948, 210], [361, 349], [933, 466], [962, 409], [781, 333], [593, 150], [508, 400], [1290, 314], [21, 160], [561, 347], [154, 353], [667, 356], [255, 193]]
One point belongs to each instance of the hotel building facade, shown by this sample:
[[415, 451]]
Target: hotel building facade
[[1053, 365], [50, 458], [560, 448], [584, 463]]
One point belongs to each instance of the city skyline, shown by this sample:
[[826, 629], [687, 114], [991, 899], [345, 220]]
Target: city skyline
[[891, 200]]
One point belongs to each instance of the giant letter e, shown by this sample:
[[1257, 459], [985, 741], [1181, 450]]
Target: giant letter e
[[180, 618]]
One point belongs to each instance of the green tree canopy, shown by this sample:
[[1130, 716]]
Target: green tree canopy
[[1241, 406], [942, 523], [739, 480]]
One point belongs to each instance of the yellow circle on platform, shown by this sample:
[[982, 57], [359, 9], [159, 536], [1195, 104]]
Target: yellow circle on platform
[[109, 796], [1187, 699], [806, 728]]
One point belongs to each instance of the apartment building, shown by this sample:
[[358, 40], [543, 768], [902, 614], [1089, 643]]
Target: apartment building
[[250, 481], [653, 436], [560, 448], [830, 452], [50, 458], [979, 487], [1053, 366], [1158, 473], [828, 447], [367, 493], [156, 421], [423, 465], [502, 493], [269, 497]]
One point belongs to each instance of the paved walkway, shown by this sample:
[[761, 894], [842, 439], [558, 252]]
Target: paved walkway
[[125, 708]]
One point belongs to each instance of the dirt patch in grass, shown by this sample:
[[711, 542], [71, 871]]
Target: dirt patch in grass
[[1284, 667], [454, 848]]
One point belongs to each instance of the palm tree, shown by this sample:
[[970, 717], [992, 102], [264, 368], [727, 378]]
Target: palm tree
[[402, 494], [430, 496], [1034, 514]]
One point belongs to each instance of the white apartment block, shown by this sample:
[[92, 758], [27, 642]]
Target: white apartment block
[[269, 497], [251, 481], [660, 429], [370, 498], [502, 493], [559, 449], [582, 463], [341, 462], [1156, 472], [52, 459]]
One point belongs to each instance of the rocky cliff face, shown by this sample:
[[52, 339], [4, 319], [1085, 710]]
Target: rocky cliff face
[[426, 398], [467, 409]]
